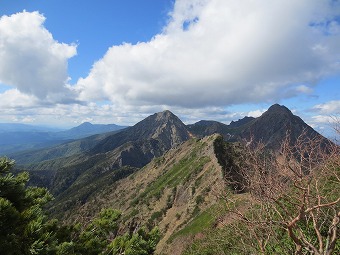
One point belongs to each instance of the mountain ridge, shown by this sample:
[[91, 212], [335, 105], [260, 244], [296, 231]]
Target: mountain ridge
[[159, 171], [106, 159]]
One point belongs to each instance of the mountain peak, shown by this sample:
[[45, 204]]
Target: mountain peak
[[272, 126], [85, 124], [163, 129], [279, 109], [165, 115], [160, 118]]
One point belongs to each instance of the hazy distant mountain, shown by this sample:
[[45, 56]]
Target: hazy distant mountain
[[87, 129], [11, 142], [21, 137], [65, 149], [16, 137], [18, 127]]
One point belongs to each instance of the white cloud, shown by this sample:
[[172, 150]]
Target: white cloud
[[322, 119], [304, 89], [329, 108], [31, 60], [13, 98], [256, 113], [220, 53], [326, 117]]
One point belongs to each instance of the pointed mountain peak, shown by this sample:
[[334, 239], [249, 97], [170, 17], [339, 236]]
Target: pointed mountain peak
[[272, 126], [165, 115], [163, 129], [160, 118], [278, 109]]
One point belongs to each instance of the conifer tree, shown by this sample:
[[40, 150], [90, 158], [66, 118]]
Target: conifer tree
[[24, 226]]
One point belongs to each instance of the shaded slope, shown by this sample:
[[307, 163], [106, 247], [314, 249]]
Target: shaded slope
[[208, 127], [163, 126], [274, 125], [134, 147], [271, 128]]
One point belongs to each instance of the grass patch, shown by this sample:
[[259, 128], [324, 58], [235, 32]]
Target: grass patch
[[183, 170], [203, 221]]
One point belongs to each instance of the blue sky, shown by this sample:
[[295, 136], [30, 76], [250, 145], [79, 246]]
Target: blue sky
[[66, 62], [95, 26]]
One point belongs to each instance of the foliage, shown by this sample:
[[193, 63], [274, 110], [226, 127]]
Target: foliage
[[26, 229], [139, 243]]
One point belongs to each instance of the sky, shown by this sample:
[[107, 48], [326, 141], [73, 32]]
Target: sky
[[66, 62]]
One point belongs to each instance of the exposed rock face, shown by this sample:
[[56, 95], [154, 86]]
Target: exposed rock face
[[151, 138], [164, 127]]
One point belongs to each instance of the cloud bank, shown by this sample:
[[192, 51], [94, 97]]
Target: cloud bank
[[31, 60], [220, 53]]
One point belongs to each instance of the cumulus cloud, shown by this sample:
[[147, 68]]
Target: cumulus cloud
[[13, 98], [31, 60], [325, 117], [220, 53]]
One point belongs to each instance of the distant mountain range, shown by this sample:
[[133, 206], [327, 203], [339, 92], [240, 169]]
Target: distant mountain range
[[73, 165], [20, 137], [159, 171]]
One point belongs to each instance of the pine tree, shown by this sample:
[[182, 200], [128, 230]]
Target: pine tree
[[24, 226]]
